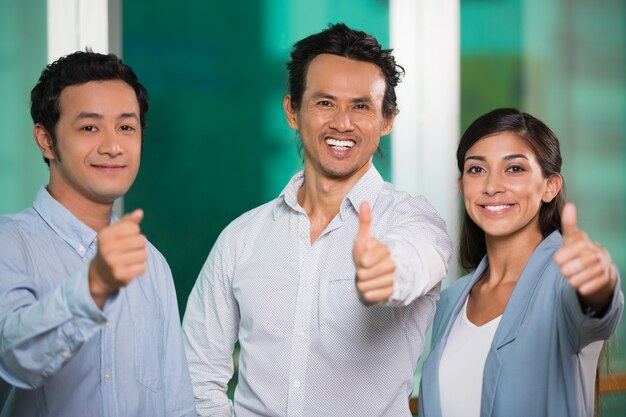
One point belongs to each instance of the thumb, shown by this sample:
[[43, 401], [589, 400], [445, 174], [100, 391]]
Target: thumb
[[134, 216], [568, 220], [365, 222]]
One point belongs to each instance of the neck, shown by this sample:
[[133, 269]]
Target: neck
[[321, 196], [509, 255], [95, 215]]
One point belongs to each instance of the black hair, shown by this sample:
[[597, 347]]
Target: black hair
[[340, 40]]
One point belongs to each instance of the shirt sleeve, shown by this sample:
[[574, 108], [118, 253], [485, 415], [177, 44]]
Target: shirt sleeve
[[210, 329], [583, 328], [178, 392], [420, 247], [38, 333]]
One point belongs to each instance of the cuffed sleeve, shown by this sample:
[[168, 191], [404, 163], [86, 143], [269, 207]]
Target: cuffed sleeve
[[582, 327]]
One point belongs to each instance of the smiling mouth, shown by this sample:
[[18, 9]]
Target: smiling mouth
[[497, 208], [108, 166], [340, 145]]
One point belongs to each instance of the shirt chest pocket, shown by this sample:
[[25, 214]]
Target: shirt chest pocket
[[149, 351], [348, 328]]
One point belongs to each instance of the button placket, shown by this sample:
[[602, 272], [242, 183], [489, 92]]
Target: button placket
[[300, 339]]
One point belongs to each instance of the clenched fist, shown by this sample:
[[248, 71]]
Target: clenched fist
[[121, 257], [372, 259]]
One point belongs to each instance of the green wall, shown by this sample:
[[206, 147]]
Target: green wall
[[217, 143]]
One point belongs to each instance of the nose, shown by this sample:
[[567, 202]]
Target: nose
[[493, 184], [341, 121], [110, 144]]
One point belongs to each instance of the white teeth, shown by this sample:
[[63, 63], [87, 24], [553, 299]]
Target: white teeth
[[497, 208], [340, 145]]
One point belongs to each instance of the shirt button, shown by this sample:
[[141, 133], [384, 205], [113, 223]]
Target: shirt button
[[81, 249], [107, 324], [303, 235], [296, 383], [301, 333], [65, 354], [107, 376]]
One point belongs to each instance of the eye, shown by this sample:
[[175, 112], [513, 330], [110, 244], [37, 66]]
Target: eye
[[88, 128], [362, 106], [516, 169], [127, 128], [324, 103], [474, 169]]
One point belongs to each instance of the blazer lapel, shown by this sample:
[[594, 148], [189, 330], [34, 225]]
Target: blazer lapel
[[513, 316], [440, 336]]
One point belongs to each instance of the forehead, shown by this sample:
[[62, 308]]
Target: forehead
[[500, 145], [340, 76], [101, 97]]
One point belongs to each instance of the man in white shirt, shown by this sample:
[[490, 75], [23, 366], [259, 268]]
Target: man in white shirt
[[330, 287]]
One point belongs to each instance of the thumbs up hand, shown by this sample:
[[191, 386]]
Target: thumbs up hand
[[121, 257], [372, 260], [586, 265]]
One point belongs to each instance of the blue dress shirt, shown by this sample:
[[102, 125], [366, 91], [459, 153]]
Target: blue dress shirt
[[65, 356]]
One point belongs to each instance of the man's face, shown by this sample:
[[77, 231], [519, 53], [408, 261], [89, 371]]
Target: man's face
[[340, 119], [98, 147]]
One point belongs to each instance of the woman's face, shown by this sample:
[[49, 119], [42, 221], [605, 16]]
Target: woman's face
[[503, 186]]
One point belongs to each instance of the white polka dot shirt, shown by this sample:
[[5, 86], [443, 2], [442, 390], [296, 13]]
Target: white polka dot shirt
[[309, 347]]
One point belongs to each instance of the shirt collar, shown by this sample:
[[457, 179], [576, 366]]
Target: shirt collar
[[367, 188], [288, 197], [76, 233]]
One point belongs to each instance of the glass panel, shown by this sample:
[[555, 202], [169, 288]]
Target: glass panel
[[564, 62], [22, 57]]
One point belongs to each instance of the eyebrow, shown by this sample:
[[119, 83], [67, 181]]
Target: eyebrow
[[98, 116], [319, 95], [506, 158]]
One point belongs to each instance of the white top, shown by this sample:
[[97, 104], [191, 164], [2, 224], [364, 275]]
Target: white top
[[462, 365]]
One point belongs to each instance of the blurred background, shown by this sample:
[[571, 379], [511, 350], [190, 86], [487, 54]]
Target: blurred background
[[217, 144]]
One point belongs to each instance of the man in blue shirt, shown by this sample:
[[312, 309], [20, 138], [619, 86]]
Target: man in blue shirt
[[89, 321]]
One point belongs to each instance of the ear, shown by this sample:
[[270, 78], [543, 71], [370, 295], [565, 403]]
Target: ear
[[44, 141], [387, 125], [290, 113], [459, 183], [553, 186]]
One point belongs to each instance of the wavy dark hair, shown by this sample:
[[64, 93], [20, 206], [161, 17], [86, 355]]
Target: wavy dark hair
[[340, 40], [75, 69], [544, 144]]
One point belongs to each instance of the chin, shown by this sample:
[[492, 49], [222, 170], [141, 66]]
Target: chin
[[339, 172], [108, 196]]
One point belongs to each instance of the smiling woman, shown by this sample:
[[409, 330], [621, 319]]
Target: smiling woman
[[503, 186], [532, 317]]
